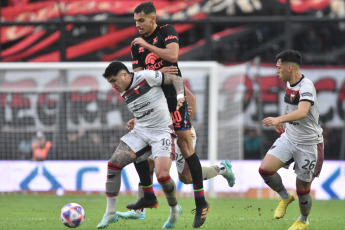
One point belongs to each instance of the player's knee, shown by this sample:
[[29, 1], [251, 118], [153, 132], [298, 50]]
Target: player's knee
[[264, 173], [161, 173]]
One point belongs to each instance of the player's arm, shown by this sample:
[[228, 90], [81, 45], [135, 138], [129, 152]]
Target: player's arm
[[300, 113], [191, 100], [177, 82], [170, 53]]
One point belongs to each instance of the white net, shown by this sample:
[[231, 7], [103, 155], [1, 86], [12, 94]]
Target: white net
[[83, 118]]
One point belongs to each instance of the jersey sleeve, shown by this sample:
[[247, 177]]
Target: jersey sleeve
[[153, 78], [135, 57], [307, 93], [169, 34]]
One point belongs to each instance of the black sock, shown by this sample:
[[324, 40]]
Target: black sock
[[196, 171], [143, 170]]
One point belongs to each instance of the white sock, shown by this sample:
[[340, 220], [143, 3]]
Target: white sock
[[303, 219], [284, 194], [111, 204], [174, 213], [221, 169]]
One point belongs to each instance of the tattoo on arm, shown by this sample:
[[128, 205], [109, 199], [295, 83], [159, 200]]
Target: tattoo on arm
[[174, 80], [123, 155]]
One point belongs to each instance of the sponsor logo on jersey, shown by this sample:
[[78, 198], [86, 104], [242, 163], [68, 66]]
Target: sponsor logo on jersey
[[134, 62], [155, 40], [170, 37], [152, 63], [145, 114], [307, 94], [293, 123], [273, 146], [156, 74], [141, 106]]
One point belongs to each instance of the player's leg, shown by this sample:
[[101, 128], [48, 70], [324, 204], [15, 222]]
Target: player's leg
[[278, 156], [309, 160], [208, 172], [182, 127], [305, 201], [139, 214], [202, 207], [162, 168], [123, 156], [145, 188]]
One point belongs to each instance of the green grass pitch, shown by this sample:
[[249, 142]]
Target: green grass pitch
[[43, 212]]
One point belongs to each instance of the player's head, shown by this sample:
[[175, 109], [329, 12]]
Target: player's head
[[290, 56], [145, 18], [118, 76], [288, 63]]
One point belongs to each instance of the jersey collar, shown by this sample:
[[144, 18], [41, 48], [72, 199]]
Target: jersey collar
[[298, 81]]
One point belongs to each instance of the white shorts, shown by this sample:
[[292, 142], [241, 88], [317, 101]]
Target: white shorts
[[162, 142], [308, 158], [181, 165]]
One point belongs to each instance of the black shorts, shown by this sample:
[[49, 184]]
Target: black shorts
[[180, 118]]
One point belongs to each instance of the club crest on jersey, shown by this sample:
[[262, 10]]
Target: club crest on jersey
[[136, 89], [292, 97], [141, 49]]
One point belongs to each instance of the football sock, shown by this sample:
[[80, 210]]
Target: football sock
[[174, 212], [284, 194], [209, 172], [305, 203], [274, 181], [112, 186], [143, 170], [148, 192], [111, 205], [196, 172], [221, 169], [169, 189]]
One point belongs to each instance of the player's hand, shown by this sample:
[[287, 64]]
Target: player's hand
[[130, 124], [139, 41], [279, 128], [169, 69], [180, 103], [270, 121]]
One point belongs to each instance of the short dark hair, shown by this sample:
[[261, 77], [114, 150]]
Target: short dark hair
[[114, 68], [290, 56], [146, 7]]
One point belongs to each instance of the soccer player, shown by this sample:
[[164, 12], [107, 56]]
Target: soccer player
[[157, 48], [223, 169], [145, 99], [301, 139]]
